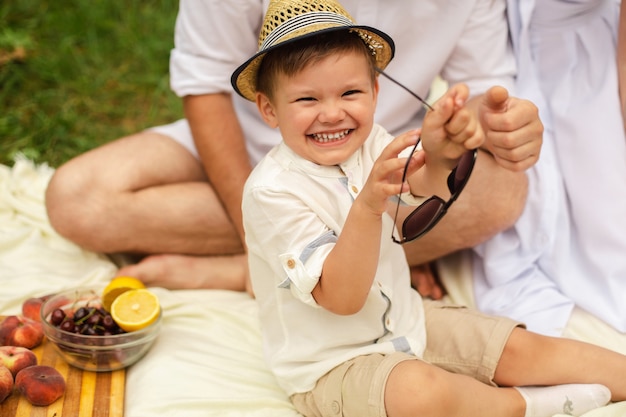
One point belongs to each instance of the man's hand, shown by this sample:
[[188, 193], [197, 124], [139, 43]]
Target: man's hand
[[513, 130]]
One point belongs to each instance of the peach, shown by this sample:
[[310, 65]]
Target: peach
[[16, 358], [41, 385], [6, 383], [20, 331], [31, 308]]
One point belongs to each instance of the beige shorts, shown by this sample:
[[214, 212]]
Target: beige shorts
[[459, 340]]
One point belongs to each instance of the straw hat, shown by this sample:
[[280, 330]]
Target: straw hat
[[289, 20]]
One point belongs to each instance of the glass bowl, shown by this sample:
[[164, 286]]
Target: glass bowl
[[99, 353]]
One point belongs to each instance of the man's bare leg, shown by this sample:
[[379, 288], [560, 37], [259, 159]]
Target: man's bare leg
[[491, 202], [143, 193], [146, 194], [532, 359]]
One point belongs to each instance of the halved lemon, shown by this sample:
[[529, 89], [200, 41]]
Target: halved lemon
[[117, 286], [135, 309]]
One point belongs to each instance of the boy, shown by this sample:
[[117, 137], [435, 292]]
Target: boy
[[343, 331]]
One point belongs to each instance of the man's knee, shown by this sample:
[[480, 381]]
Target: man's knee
[[68, 204]]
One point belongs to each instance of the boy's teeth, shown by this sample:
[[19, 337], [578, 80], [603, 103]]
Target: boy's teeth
[[327, 137]]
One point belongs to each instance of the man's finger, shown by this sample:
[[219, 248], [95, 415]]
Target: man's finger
[[496, 98]]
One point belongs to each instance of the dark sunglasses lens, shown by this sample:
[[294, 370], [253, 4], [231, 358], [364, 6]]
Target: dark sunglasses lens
[[459, 175], [422, 218]]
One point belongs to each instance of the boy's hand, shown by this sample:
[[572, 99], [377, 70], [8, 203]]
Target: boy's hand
[[451, 128], [513, 130], [385, 178]]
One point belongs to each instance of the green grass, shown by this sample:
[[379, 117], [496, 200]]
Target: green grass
[[75, 74]]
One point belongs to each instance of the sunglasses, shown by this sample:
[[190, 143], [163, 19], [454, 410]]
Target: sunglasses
[[430, 212]]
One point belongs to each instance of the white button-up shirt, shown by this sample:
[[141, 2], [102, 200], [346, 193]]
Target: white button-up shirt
[[293, 212]]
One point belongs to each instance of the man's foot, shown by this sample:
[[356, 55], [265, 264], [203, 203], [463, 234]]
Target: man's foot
[[425, 279], [175, 271], [570, 399]]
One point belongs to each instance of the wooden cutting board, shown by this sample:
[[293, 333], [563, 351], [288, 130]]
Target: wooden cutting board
[[87, 394]]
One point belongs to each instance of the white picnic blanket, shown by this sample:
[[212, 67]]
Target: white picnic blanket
[[207, 360]]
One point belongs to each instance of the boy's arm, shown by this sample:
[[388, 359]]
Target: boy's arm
[[449, 130], [350, 268]]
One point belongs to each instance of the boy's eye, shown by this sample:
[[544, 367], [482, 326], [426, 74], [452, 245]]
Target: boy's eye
[[351, 92], [305, 99]]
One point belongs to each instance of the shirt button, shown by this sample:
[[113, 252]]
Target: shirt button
[[354, 189], [291, 264], [336, 407]]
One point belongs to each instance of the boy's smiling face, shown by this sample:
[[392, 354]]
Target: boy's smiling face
[[325, 111]]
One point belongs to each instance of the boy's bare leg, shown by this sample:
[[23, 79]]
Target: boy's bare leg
[[418, 388], [146, 194], [415, 388], [532, 359]]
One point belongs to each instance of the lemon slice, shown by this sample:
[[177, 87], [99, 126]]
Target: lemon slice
[[135, 309], [117, 286]]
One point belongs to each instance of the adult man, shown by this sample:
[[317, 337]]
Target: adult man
[[174, 192]]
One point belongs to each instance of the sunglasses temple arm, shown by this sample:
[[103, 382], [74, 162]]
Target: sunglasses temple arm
[[404, 87], [404, 173]]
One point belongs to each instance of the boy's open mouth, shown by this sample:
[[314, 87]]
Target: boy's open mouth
[[330, 137]]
